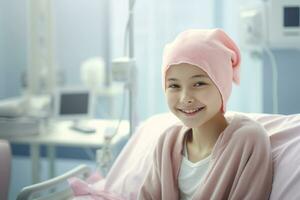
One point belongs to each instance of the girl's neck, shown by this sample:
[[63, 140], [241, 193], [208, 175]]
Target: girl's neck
[[203, 138]]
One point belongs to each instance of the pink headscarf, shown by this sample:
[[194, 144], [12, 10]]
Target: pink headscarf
[[213, 51]]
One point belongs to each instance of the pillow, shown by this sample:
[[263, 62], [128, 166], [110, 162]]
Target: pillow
[[284, 131]]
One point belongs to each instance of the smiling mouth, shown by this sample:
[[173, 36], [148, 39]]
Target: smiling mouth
[[191, 112]]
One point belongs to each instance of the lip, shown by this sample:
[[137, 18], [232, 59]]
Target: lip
[[191, 114]]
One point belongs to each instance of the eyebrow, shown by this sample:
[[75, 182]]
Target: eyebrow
[[195, 76]]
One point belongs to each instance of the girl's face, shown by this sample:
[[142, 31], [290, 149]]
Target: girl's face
[[191, 95]]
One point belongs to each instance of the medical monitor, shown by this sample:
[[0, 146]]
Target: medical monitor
[[73, 103]]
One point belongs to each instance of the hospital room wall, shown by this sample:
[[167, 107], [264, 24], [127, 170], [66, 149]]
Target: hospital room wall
[[81, 31], [288, 81], [13, 47], [257, 70], [1, 49], [248, 96]]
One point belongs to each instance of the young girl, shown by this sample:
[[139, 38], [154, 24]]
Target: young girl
[[210, 155]]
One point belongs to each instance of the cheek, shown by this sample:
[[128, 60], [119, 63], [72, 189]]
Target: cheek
[[215, 98], [205, 95], [171, 99], [210, 96]]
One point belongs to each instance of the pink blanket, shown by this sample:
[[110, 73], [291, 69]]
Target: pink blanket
[[130, 168]]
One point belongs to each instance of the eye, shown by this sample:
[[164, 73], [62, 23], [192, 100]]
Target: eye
[[173, 86], [198, 84]]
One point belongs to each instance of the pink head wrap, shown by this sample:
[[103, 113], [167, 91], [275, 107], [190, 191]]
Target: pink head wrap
[[211, 50]]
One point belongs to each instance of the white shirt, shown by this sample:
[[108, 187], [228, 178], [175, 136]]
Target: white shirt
[[191, 175]]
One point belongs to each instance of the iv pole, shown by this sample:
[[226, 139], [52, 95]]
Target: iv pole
[[132, 82], [104, 156]]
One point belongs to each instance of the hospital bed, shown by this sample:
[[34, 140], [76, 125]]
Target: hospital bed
[[132, 163], [55, 188]]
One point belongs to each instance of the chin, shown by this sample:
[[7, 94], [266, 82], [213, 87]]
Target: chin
[[191, 124]]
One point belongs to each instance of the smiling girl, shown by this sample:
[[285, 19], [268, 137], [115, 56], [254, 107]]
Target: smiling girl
[[210, 155]]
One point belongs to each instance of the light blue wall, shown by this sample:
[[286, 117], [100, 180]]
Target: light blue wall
[[81, 31], [12, 46], [1, 50], [288, 81], [245, 97]]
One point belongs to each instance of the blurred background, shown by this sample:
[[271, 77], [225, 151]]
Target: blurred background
[[48, 45]]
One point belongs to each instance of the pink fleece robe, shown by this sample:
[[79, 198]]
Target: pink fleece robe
[[240, 168]]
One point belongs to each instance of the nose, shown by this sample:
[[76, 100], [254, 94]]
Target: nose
[[187, 98]]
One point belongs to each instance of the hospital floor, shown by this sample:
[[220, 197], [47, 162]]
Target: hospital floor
[[21, 171]]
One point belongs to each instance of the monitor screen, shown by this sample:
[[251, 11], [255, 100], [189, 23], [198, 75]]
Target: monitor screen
[[72, 103], [76, 103], [291, 16]]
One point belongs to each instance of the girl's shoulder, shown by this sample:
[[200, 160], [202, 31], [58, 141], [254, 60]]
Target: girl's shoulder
[[171, 133], [169, 143], [244, 127]]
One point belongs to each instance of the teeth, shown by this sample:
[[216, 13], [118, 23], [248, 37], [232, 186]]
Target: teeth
[[190, 111]]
